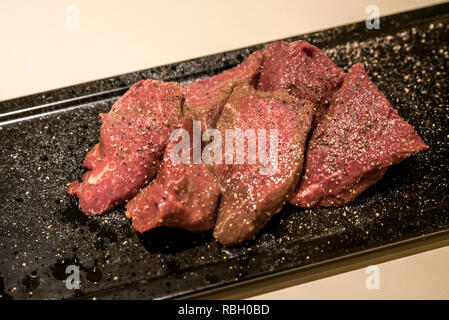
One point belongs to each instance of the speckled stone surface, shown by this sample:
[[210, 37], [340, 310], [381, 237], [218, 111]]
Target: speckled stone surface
[[42, 231]]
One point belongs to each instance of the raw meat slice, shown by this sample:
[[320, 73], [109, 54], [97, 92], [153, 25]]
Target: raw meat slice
[[183, 196], [359, 138], [251, 198], [204, 99], [303, 70], [133, 137]]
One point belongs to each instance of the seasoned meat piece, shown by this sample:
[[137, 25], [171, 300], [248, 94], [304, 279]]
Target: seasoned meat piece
[[204, 99], [359, 138], [303, 70], [251, 197], [183, 196], [133, 137]]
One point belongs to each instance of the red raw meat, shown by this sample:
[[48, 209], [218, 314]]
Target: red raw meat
[[186, 196], [133, 137], [303, 70], [183, 196], [360, 136], [251, 198], [204, 99]]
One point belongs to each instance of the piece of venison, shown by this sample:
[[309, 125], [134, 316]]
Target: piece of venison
[[249, 197], [133, 136], [204, 99], [303, 70], [350, 150], [183, 196]]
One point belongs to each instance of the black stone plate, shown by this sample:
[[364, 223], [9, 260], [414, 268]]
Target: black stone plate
[[44, 138]]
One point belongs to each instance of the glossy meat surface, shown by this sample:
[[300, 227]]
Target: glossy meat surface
[[204, 99], [251, 198], [359, 138], [183, 196], [303, 70], [133, 137]]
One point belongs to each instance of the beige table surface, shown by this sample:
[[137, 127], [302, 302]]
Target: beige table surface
[[50, 44]]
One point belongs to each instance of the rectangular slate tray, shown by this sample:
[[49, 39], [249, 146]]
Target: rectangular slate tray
[[44, 138]]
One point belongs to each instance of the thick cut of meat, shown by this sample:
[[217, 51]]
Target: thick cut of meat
[[250, 198], [133, 137], [303, 70], [204, 99], [359, 138], [183, 196]]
